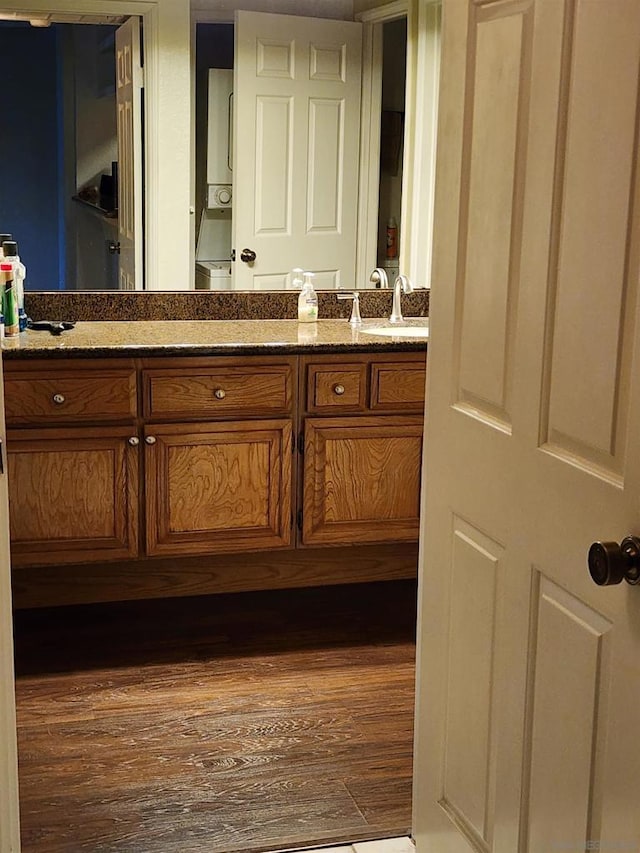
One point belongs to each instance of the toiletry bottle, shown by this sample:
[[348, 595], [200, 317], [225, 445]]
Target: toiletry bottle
[[9, 301], [296, 278], [11, 256], [3, 239], [392, 238], [308, 301]]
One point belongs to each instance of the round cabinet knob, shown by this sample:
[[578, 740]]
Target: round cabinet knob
[[339, 390], [58, 399], [247, 256], [224, 196], [150, 439], [219, 393], [134, 441], [610, 563]]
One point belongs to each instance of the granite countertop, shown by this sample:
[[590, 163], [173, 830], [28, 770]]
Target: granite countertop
[[209, 337]]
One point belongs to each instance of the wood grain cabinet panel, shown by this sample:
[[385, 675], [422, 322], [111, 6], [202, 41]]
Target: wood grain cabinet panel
[[361, 480], [336, 387], [70, 394], [216, 488], [398, 385], [73, 495], [218, 392]]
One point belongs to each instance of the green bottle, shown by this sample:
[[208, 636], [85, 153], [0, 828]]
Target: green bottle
[[9, 302]]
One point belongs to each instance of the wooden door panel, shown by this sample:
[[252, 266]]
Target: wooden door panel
[[361, 480], [216, 488], [72, 495]]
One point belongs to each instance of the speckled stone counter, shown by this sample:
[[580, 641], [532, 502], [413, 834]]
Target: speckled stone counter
[[208, 305], [208, 337]]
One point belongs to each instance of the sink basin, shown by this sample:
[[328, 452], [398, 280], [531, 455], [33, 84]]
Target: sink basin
[[397, 331]]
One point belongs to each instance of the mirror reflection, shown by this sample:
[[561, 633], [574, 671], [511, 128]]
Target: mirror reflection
[[59, 163], [62, 172], [274, 192]]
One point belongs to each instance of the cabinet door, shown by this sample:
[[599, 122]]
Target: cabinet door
[[215, 488], [361, 480], [73, 495]]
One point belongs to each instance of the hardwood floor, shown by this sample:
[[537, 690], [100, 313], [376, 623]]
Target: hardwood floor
[[228, 723]]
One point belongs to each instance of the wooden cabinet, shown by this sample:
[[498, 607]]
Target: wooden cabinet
[[361, 475], [134, 460], [218, 474], [73, 495], [73, 490], [220, 487], [361, 480]]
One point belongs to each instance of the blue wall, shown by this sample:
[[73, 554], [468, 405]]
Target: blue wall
[[29, 150]]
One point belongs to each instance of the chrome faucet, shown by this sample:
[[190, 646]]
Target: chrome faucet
[[379, 277], [402, 284], [355, 320]]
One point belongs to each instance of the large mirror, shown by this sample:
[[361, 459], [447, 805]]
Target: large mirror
[[69, 227]]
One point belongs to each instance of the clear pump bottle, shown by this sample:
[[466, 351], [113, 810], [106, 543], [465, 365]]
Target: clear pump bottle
[[307, 301]]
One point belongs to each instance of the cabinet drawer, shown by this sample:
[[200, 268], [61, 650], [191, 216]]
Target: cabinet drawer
[[331, 387], [217, 392], [397, 385], [78, 395]]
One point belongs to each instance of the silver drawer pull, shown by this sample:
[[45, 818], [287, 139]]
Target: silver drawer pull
[[219, 393], [58, 399], [339, 390], [150, 439], [134, 441]]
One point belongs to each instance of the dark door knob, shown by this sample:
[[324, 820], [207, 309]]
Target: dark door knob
[[610, 563], [248, 256]]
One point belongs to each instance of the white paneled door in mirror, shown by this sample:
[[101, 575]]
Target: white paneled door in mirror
[[530, 672], [296, 149]]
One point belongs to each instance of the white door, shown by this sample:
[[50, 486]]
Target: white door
[[530, 672], [296, 138], [9, 822], [129, 106]]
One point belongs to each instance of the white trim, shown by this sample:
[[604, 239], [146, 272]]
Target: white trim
[[387, 12], [421, 108], [423, 64], [369, 171], [9, 808], [370, 118]]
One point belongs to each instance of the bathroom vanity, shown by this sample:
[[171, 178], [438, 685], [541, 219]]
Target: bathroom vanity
[[156, 459]]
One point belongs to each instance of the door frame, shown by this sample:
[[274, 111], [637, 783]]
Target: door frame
[[418, 168], [9, 799], [165, 26]]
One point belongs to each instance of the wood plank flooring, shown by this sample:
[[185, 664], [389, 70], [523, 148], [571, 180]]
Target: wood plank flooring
[[226, 723]]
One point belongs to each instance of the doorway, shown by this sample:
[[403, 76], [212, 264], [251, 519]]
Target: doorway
[[58, 164]]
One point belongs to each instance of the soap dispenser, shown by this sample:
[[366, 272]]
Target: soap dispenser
[[308, 301]]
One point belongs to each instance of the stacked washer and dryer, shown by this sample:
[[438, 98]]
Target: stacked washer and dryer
[[213, 248]]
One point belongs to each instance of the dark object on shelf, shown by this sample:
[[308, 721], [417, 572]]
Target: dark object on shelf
[[55, 327]]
